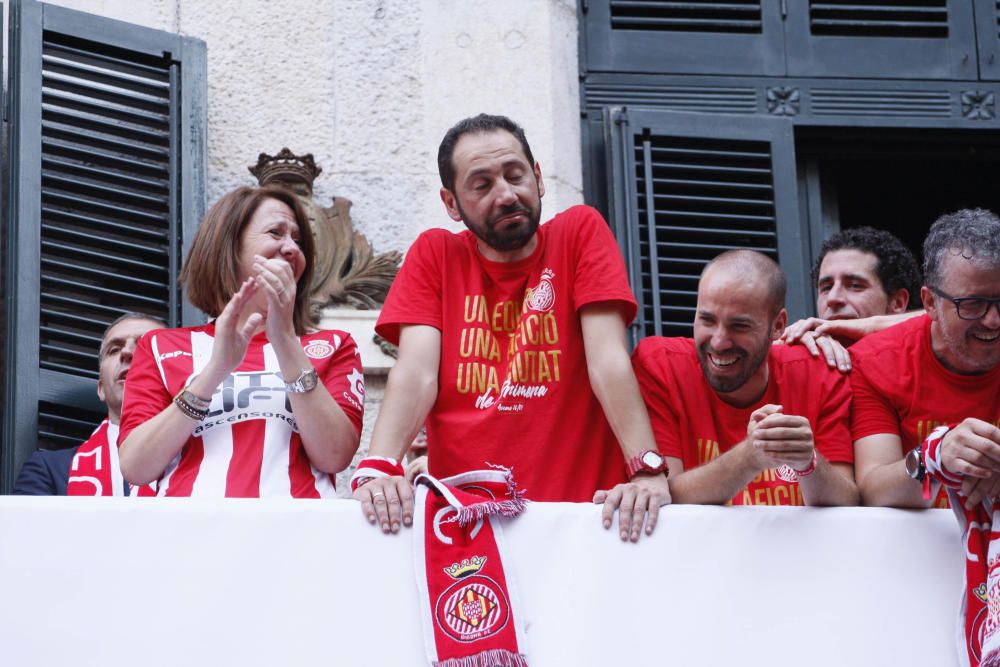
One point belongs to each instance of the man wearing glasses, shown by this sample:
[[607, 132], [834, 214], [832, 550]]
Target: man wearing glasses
[[941, 369]]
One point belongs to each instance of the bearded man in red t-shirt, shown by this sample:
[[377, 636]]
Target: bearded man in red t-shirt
[[511, 340], [740, 420], [938, 369]]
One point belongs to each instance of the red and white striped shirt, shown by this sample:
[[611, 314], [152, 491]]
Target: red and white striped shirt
[[249, 445]]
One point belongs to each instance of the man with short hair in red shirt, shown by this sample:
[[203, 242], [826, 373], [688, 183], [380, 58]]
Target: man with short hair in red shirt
[[512, 345], [865, 280], [938, 369], [740, 420]]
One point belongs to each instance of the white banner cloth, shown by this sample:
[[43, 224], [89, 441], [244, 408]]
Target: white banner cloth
[[119, 581]]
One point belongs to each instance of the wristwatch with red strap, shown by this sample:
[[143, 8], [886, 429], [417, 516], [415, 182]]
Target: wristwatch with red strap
[[648, 460]]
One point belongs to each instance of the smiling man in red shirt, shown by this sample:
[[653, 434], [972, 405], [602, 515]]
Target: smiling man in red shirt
[[938, 369], [740, 420]]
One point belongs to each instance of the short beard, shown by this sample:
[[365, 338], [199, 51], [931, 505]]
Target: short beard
[[505, 242], [728, 385]]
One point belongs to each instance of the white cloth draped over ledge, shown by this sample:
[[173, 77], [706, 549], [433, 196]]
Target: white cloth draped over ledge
[[119, 581]]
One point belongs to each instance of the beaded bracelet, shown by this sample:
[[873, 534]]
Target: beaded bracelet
[[196, 402], [188, 409]]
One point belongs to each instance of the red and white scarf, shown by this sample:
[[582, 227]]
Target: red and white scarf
[[470, 607], [95, 470], [979, 618]]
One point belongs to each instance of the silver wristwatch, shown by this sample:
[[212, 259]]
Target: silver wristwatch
[[306, 381]]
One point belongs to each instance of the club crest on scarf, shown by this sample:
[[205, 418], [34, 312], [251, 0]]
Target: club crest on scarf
[[475, 606], [470, 613]]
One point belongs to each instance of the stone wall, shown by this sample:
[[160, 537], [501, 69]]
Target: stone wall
[[370, 87]]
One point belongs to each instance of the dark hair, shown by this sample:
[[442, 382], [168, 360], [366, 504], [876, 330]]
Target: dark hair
[[752, 262], [211, 270], [895, 265], [120, 319], [475, 125], [972, 233]]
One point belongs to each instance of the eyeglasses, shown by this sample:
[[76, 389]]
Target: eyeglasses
[[970, 307]]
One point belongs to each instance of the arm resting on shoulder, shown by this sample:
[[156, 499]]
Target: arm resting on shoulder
[[853, 330]]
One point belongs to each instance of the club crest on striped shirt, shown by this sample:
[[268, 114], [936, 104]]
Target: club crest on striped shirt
[[472, 608], [318, 349]]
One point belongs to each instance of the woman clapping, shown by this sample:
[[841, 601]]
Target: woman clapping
[[253, 404]]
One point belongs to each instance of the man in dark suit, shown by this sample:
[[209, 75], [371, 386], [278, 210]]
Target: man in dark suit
[[46, 472]]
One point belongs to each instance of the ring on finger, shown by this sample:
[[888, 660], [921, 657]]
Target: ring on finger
[[377, 494]]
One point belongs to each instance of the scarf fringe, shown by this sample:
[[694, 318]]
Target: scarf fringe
[[511, 507], [991, 660], [496, 657]]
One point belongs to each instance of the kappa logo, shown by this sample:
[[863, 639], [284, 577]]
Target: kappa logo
[[472, 608], [543, 297], [171, 355]]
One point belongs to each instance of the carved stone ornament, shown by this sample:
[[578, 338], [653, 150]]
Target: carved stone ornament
[[979, 105], [347, 271], [388, 349], [783, 101]]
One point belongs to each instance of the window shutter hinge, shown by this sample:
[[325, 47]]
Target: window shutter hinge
[[584, 6], [784, 9]]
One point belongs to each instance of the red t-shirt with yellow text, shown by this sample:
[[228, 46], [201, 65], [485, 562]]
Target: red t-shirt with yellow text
[[901, 388], [513, 387], [692, 423]]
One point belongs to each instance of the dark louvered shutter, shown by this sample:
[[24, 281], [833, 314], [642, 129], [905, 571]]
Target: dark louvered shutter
[[684, 36], [930, 39], [107, 155], [988, 38], [688, 187]]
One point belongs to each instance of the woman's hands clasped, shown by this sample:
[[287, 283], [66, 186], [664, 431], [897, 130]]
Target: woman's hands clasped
[[266, 298]]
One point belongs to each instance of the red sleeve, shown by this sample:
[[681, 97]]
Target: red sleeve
[[871, 411], [655, 394], [832, 432], [415, 295], [343, 378], [145, 394], [600, 271]]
